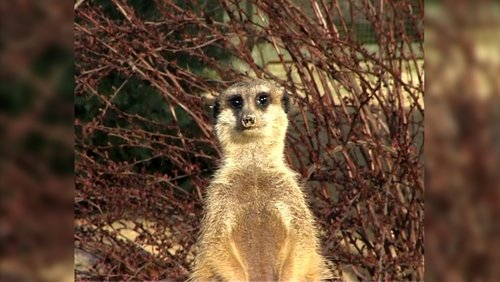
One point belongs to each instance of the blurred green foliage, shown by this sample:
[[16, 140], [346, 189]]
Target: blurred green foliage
[[39, 99]]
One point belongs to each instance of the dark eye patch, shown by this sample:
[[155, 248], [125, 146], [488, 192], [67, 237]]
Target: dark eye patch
[[236, 102], [263, 99]]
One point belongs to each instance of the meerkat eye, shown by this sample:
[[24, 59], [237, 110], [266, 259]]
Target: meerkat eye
[[236, 102], [263, 99]]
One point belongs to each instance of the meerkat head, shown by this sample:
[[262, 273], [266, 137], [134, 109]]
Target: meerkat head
[[251, 111]]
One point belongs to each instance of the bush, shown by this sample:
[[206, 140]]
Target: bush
[[145, 148]]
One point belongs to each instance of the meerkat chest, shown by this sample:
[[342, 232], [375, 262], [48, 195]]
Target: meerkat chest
[[262, 198], [256, 198], [259, 188]]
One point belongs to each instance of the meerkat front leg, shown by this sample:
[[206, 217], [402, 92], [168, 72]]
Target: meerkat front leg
[[237, 270]]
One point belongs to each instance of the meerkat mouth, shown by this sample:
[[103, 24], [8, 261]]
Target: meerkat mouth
[[253, 128], [250, 132]]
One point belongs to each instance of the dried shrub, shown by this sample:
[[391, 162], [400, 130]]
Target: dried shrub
[[145, 147]]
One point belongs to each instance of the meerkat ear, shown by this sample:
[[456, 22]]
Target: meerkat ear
[[210, 100], [285, 101], [215, 109]]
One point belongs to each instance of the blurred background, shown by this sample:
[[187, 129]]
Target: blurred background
[[462, 136], [36, 137], [107, 97]]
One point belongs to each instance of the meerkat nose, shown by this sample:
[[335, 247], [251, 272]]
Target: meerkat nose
[[248, 120]]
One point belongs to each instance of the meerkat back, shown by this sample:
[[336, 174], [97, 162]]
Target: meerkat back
[[256, 225]]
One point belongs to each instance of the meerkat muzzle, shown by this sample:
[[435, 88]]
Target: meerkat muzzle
[[248, 120]]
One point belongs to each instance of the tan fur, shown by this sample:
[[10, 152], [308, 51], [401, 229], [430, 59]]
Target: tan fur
[[257, 225]]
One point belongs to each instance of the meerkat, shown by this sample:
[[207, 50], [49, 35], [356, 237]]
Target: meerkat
[[257, 225]]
